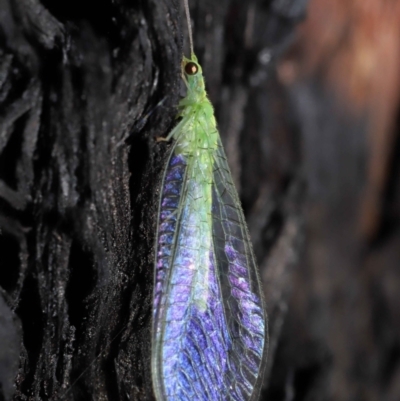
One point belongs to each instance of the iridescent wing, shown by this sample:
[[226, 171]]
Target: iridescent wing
[[242, 293], [209, 326], [167, 233]]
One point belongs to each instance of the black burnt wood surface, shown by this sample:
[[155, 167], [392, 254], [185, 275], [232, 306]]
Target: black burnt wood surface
[[85, 88]]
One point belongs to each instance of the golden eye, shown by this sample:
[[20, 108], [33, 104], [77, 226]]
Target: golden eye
[[191, 68]]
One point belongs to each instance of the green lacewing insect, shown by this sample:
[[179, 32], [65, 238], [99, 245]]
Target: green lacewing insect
[[209, 338]]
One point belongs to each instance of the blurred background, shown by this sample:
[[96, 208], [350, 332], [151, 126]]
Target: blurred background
[[307, 97], [340, 339]]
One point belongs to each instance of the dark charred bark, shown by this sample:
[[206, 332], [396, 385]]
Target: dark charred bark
[[312, 138], [85, 88]]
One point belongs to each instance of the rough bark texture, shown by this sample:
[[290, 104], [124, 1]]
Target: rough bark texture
[[86, 87]]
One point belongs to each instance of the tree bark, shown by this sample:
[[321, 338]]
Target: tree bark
[[85, 89]]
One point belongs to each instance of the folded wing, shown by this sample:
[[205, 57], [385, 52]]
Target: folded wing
[[209, 323]]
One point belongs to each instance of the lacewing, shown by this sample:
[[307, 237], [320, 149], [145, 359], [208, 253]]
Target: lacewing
[[209, 339]]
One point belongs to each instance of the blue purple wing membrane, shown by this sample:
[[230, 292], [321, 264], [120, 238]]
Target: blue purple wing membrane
[[190, 338], [172, 186], [242, 292], [208, 324]]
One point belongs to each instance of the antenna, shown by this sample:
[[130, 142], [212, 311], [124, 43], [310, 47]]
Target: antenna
[[186, 4]]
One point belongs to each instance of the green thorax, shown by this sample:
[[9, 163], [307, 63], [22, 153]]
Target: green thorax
[[197, 133]]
